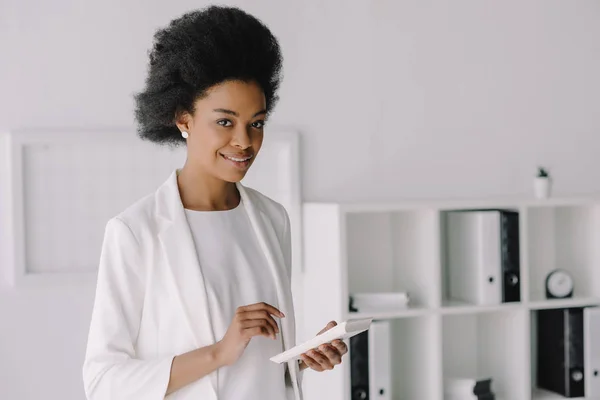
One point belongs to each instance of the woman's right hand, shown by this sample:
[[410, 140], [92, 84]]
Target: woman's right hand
[[249, 321]]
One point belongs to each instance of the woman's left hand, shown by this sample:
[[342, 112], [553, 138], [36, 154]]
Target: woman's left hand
[[327, 356]]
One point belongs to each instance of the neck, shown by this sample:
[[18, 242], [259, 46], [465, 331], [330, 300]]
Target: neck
[[202, 192]]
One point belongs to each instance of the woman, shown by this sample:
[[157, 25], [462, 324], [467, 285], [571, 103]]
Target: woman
[[193, 294]]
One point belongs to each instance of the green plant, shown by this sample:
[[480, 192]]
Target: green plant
[[542, 173]]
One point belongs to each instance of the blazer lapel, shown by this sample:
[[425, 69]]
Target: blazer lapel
[[182, 258], [267, 239]]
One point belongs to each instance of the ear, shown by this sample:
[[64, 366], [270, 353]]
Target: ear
[[183, 120]]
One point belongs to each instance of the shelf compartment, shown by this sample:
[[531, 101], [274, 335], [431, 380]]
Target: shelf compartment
[[493, 344], [481, 256], [413, 370], [564, 237], [414, 358], [394, 252], [572, 351]]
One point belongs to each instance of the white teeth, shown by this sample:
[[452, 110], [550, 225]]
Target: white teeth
[[238, 159]]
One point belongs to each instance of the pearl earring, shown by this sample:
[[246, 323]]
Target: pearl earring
[[184, 134]]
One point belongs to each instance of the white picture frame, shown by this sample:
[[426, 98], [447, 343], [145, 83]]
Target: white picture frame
[[47, 188]]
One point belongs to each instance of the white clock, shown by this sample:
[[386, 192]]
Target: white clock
[[559, 284]]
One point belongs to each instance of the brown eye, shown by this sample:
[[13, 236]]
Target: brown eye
[[224, 122], [258, 124]]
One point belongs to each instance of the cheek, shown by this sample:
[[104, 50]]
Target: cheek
[[215, 139], [207, 144], [257, 141]]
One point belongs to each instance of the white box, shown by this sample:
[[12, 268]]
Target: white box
[[365, 302]]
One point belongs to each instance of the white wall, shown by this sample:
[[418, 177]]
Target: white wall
[[394, 98]]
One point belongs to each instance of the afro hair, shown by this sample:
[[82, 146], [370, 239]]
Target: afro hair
[[196, 51]]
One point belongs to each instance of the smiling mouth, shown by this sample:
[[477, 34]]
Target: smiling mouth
[[237, 159], [241, 163]]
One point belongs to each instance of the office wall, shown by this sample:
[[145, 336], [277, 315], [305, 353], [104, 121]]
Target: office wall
[[394, 99]]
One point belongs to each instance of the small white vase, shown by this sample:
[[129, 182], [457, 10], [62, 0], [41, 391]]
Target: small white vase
[[541, 187]]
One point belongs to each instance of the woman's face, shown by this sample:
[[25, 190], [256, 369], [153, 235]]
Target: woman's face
[[226, 130]]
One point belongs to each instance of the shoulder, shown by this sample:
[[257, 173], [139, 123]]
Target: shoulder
[[273, 209], [142, 208], [139, 218]]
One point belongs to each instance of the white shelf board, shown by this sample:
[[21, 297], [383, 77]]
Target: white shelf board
[[564, 303], [460, 307], [452, 204], [392, 314], [450, 307], [539, 394]]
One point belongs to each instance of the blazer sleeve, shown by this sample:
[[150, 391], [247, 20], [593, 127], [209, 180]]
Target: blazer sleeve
[[110, 369]]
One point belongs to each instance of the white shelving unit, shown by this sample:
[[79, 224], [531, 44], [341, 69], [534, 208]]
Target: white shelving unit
[[351, 248]]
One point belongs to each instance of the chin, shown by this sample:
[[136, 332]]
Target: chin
[[233, 175], [233, 178]]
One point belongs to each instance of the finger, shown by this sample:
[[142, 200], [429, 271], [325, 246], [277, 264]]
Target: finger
[[254, 315], [330, 325], [311, 363], [260, 323], [257, 331], [340, 346], [321, 359], [332, 354], [261, 306], [302, 365]]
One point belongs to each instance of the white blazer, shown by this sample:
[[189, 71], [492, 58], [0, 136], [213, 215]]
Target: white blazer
[[151, 302]]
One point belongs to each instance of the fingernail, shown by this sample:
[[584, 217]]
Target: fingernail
[[282, 315]]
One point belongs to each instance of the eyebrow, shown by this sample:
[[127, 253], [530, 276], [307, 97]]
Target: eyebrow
[[230, 112]]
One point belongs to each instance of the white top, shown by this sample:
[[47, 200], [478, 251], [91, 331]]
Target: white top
[[236, 273]]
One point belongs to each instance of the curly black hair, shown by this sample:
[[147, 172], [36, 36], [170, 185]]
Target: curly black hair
[[196, 51]]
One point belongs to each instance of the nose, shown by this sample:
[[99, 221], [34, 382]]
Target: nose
[[241, 139]]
